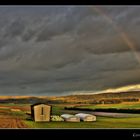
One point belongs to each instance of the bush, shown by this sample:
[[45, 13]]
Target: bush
[[56, 118]]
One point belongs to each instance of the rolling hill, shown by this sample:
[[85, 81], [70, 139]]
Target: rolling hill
[[95, 98]]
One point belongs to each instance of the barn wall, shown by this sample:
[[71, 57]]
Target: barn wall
[[46, 111]]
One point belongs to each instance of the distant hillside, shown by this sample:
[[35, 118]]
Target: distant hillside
[[95, 98], [99, 97], [131, 94]]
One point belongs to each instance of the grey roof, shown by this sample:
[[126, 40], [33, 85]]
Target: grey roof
[[68, 116], [84, 114], [39, 104]]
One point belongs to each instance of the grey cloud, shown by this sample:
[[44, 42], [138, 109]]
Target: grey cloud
[[57, 50], [28, 35], [63, 23], [16, 28]]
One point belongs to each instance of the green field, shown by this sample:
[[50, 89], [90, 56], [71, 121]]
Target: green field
[[119, 106], [57, 110], [102, 122], [12, 104]]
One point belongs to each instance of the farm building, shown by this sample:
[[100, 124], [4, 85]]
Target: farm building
[[86, 117], [70, 118], [41, 112]]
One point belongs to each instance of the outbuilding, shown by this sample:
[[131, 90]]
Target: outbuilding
[[86, 117], [41, 112], [70, 118]]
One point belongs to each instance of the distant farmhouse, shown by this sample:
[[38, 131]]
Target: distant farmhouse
[[41, 112]]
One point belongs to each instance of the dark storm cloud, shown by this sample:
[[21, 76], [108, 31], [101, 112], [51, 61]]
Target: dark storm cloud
[[63, 49], [64, 23]]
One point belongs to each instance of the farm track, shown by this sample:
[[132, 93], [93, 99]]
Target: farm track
[[9, 122]]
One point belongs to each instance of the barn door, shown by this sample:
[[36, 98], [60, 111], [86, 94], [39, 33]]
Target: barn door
[[42, 113]]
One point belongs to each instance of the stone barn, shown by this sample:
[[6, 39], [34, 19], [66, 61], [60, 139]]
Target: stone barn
[[41, 112]]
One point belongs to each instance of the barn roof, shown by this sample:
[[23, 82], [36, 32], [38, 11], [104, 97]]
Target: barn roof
[[39, 104], [84, 115], [68, 116]]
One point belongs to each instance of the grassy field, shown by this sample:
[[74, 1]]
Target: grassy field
[[102, 122], [125, 105], [12, 104], [57, 110]]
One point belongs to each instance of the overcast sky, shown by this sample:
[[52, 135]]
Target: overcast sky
[[60, 50]]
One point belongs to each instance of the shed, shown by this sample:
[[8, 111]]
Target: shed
[[41, 112], [70, 118], [86, 117]]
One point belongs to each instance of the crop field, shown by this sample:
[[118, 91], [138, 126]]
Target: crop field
[[14, 116]]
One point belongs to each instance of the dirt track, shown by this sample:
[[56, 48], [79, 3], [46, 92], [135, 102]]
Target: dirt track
[[8, 122]]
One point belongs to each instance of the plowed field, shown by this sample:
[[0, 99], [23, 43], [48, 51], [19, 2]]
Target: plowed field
[[9, 122], [13, 116]]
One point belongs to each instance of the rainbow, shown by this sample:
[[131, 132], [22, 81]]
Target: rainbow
[[121, 32]]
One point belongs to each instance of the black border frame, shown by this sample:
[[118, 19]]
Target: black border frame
[[69, 2], [70, 133]]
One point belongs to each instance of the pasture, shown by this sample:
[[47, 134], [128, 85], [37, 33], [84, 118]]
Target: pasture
[[102, 122], [124, 105], [14, 116]]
